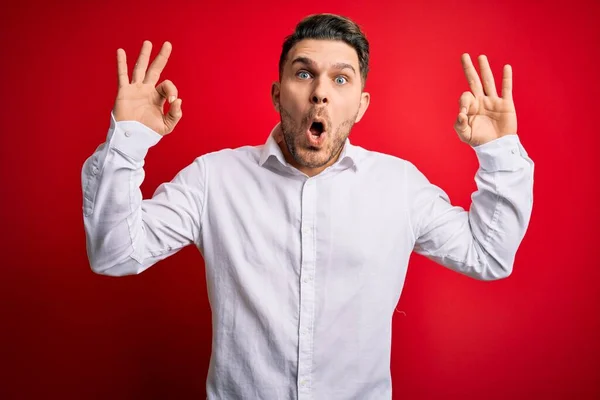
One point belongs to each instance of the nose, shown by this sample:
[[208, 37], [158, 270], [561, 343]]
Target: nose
[[319, 95], [319, 99]]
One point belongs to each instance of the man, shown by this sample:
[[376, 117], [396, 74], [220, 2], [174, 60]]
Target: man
[[306, 239]]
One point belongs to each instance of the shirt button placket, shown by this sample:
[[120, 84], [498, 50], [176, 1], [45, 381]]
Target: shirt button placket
[[307, 290]]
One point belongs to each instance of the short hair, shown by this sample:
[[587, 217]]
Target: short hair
[[329, 27]]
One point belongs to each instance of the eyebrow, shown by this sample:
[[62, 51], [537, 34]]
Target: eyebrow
[[307, 61]]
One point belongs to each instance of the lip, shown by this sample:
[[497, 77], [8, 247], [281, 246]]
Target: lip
[[315, 141]]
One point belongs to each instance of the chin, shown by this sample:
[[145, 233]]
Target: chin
[[313, 158]]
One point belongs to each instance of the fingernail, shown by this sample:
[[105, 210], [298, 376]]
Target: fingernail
[[171, 99], [463, 110]]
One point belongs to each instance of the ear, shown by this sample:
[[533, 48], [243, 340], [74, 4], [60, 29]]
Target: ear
[[275, 92], [365, 98]]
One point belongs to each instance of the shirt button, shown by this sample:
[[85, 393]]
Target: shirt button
[[302, 383], [127, 133], [94, 170], [513, 151]]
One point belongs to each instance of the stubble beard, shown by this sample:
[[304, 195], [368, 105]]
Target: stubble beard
[[312, 157]]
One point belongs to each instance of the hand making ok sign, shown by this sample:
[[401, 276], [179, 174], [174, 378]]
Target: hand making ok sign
[[483, 116], [141, 100]]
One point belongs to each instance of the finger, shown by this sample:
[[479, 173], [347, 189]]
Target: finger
[[462, 123], [487, 76], [507, 82], [174, 115], [139, 71], [122, 77], [462, 128], [167, 91], [467, 103], [471, 75], [157, 66]]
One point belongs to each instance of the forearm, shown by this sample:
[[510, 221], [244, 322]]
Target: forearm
[[502, 206], [483, 242], [111, 179]]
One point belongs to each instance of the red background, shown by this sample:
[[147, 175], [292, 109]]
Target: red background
[[68, 333]]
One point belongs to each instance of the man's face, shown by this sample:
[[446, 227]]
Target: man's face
[[319, 98]]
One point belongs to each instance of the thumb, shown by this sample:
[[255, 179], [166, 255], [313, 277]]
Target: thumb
[[461, 126], [174, 115]]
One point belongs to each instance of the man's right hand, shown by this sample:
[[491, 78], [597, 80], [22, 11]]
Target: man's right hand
[[143, 101]]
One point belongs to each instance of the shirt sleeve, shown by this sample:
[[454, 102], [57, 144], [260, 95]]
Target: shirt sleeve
[[481, 243], [126, 234]]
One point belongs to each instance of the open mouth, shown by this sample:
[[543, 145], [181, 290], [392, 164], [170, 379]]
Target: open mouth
[[316, 133], [316, 128]]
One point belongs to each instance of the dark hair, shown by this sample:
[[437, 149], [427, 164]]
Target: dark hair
[[329, 27]]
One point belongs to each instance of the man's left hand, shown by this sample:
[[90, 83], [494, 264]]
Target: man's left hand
[[483, 116]]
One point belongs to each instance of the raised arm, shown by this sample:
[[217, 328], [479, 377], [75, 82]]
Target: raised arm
[[482, 242], [124, 233]]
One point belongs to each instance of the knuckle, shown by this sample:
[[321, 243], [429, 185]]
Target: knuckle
[[151, 74]]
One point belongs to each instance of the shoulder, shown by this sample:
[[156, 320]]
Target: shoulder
[[235, 161], [389, 169], [244, 154], [375, 161]]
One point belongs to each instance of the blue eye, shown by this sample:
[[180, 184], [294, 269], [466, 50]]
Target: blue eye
[[340, 80], [303, 75]]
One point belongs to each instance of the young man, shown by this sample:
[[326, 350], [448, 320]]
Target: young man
[[306, 239]]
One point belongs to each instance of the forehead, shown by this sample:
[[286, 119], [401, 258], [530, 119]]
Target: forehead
[[324, 52]]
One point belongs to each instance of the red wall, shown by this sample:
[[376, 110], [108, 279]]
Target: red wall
[[68, 333]]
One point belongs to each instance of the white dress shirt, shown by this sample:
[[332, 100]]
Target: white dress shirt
[[303, 274]]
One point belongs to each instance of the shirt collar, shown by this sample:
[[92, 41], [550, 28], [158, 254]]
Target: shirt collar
[[349, 154]]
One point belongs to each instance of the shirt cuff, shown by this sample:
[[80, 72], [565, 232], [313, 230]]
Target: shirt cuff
[[132, 138], [503, 154]]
